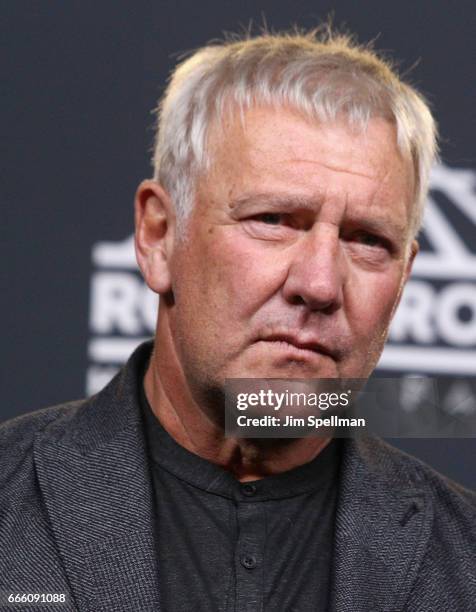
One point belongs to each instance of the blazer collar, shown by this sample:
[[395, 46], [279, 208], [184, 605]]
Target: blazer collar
[[382, 527], [93, 474]]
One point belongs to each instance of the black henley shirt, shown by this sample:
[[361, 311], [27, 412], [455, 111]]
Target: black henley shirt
[[228, 546]]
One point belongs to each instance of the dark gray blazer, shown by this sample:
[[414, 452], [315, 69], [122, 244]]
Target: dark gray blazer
[[76, 516]]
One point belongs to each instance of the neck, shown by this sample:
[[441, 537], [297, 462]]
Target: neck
[[187, 422]]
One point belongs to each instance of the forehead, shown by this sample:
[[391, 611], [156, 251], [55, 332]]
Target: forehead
[[278, 151]]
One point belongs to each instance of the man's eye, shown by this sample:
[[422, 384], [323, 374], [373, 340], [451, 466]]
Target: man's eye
[[270, 218], [370, 240]]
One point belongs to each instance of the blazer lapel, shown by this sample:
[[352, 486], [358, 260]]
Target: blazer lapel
[[94, 478], [382, 527]]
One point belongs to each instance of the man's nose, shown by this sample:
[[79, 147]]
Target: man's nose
[[316, 272]]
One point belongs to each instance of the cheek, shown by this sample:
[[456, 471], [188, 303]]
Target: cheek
[[371, 300], [242, 274]]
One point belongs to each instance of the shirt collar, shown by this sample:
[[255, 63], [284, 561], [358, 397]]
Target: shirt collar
[[165, 453]]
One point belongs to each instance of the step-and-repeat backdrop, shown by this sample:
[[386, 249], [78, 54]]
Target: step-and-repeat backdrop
[[81, 82]]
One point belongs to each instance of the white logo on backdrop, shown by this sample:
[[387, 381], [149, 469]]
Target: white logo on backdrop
[[123, 310], [434, 330]]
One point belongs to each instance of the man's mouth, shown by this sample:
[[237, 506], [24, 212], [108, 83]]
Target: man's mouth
[[299, 344]]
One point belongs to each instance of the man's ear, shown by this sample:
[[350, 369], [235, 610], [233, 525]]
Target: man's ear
[[154, 235]]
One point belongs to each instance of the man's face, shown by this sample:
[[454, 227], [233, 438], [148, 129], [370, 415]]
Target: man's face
[[296, 251]]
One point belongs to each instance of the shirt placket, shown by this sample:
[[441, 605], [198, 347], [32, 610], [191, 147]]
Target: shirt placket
[[249, 553]]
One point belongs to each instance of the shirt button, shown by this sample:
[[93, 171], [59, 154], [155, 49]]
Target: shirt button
[[248, 489], [248, 561]]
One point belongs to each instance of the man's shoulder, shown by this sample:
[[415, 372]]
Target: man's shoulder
[[449, 499], [81, 425], [18, 435]]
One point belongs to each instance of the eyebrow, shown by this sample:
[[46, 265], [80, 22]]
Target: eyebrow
[[383, 226], [277, 201], [299, 202]]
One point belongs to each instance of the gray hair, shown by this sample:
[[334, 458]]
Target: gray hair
[[319, 74]]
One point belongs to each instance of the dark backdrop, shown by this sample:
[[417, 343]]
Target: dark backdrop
[[80, 81]]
